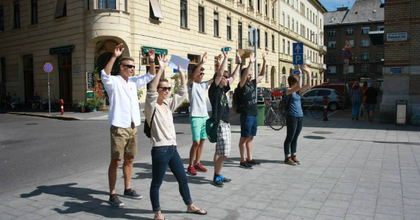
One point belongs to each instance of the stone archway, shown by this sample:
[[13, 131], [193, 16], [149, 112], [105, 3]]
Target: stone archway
[[273, 71]]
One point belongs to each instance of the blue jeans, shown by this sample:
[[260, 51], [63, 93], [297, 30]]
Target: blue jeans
[[355, 109], [161, 158], [294, 127]]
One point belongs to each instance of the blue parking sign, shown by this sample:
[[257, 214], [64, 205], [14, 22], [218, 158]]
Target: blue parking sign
[[298, 59], [298, 53], [297, 48]]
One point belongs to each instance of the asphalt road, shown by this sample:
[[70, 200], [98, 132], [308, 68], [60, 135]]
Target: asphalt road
[[35, 150]]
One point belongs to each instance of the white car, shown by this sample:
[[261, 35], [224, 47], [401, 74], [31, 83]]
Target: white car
[[335, 100]]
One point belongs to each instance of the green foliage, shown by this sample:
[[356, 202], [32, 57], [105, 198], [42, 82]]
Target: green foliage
[[94, 103], [140, 93]]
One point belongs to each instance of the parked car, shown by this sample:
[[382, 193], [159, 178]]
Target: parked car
[[338, 86], [263, 94], [277, 93], [335, 99]]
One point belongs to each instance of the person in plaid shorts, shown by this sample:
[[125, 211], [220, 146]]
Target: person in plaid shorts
[[219, 103]]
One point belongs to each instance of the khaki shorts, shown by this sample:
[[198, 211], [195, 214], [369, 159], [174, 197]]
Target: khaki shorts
[[123, 142]]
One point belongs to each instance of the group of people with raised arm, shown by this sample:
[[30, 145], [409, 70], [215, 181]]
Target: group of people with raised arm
[[124, 117]]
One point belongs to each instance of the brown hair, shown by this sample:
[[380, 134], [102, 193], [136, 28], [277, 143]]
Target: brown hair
[[162, 80], [356, 85], [126, 59], [291, 80]]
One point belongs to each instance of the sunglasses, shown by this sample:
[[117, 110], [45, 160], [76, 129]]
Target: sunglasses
[[130, 66], [165, 88], [226, 77]]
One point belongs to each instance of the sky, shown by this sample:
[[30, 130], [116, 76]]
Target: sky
[[332, 5]]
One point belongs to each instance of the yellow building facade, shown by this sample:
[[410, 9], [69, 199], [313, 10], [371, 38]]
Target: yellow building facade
[[78, 37]]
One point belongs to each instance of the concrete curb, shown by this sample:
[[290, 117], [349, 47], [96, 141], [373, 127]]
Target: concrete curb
[[61, 117]]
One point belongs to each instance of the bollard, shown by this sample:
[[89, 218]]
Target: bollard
[[62, 106], [325, 108]]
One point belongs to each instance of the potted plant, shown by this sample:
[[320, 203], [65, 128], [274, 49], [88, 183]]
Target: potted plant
[[82, 106]]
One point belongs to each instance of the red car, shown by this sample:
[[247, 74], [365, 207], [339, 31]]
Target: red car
[[276, 93]]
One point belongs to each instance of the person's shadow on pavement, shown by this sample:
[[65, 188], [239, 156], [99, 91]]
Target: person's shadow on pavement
[[90, 204]]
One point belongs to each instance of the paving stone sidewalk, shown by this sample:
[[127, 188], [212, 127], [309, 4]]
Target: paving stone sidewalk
[[349, 170]]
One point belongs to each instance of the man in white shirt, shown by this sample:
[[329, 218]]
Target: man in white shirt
[[124, 117]]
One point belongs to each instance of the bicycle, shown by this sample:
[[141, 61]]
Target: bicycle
[[273, 117], [315, 109]]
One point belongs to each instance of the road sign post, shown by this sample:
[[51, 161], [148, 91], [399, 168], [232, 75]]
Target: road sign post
[[298, 56], [253, 40], [48, 68]]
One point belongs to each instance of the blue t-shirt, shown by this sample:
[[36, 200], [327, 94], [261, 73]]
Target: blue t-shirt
[[295, 105]]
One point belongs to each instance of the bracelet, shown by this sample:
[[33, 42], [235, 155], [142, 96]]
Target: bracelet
[[151, 60]]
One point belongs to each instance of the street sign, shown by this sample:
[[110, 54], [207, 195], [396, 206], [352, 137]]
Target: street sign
[[346, 67], [348, 45], [90, 81], [347, 54], [296, 72], [395, 70], [48, 68], [252, 35], [298, 53]]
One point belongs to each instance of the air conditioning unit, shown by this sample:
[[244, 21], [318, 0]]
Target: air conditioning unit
[[144, 61]]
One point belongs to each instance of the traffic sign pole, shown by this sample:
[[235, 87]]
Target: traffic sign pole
[[48, 68]]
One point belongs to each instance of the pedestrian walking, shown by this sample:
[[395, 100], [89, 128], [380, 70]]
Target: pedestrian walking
[[123, 118], [369, 100], [249, 114], [356, 96], [159, 108], [364, 88], [294, 120], [220, 110]]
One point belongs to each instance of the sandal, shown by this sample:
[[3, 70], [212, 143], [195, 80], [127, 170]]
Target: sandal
[[198, 212]]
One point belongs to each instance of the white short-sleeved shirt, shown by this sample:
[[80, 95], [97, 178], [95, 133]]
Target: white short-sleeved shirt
[[197, 96]]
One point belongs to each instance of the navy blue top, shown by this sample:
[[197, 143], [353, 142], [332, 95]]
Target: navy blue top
[[295, 105]]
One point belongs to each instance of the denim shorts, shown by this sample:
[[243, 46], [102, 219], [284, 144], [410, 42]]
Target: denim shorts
[[248, 125]]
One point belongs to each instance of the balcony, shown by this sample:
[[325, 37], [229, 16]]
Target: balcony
[[322, 49]]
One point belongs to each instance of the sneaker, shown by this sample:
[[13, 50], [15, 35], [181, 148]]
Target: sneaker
[[191, 170], [114, 201], [132, 194], [218, 181], [245, 165], [254, 162], [294, 158], [200, 167], [289, 161], [225, 180]]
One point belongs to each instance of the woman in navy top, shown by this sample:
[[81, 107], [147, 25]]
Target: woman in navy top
[[294, 120]]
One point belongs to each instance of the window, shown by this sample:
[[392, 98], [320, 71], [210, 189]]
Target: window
[[307, 33], [107, 4], [284, 19], [155, 11], [266, 8], [16, 15], [230, 66], [125, 5], [379, 56], [381, 28], [1, 18], [332, 57], [332, 69], [351, 69], [251, 4], [288, 47], [351, 43], [266, 40], [239, 35], [379, 68], [249, 36], [34, 11], [284, 46], [273, 12], [293, 24], [259, 68], [297, 27], [365, 30], [288, 21], [331, 32], [273, 43], [365, 56], [201, 19], [265, 73], [365, 68], [229, 29], [332, 44], [3, 70], [349, 31], [259, 38], [258, 6], [216, 24], [365, 42], [184, 20]]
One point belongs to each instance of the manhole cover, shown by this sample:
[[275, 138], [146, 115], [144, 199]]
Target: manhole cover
[[322, 132], [32, 124]]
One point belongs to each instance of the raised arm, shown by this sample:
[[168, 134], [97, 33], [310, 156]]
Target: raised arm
[[181, 96], [163, 62], [237, 69], [221, 69], [152, 68], [262, 72], [308, 79], [197, 71], [117, 52], [248, 70]]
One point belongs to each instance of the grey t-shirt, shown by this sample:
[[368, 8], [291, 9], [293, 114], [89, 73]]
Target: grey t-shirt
[[197, 96]]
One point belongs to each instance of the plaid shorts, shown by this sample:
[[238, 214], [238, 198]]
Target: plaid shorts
[[223, 144]]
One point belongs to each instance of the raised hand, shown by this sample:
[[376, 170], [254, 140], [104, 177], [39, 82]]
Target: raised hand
[[238, 57], [219, 58], [251, 58], [180, 71], [300, 71], [118, 50], [163, 62], [204, 58], [151, 55], [263, 56], [225, 53], [306, 69]]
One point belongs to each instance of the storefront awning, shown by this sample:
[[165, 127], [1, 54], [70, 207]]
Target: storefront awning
[[60, 50], [158, 51]]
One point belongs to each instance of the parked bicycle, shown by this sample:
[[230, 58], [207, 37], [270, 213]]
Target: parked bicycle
[[316, 110], [273, 117]]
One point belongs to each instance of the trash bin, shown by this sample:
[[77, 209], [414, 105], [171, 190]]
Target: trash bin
[[261, 111], [401, 111]]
